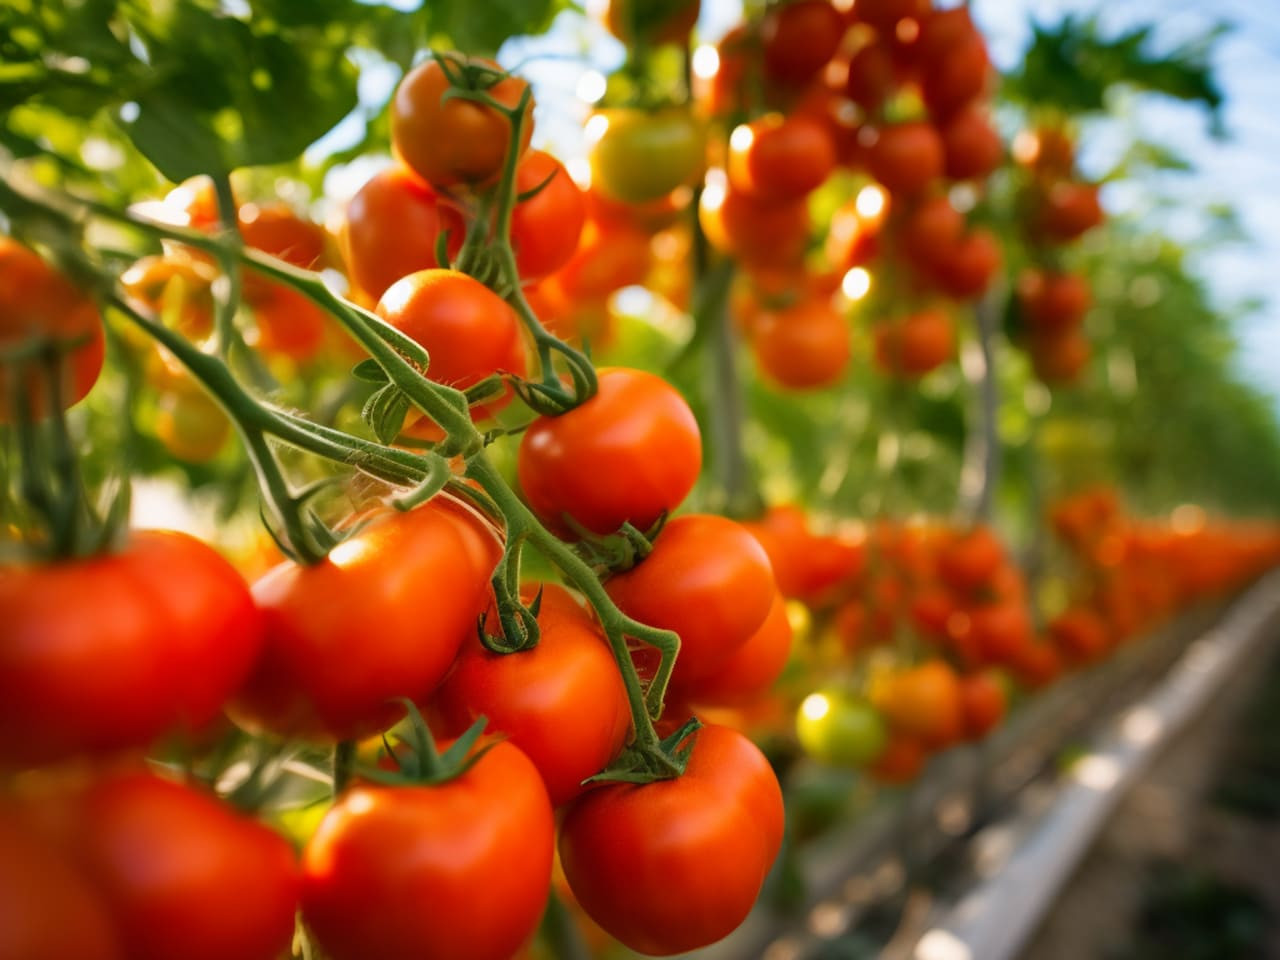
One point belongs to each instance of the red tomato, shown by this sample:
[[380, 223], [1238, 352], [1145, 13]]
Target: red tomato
[[916, 345], [763, 234], [440, 872], [610, 256], [924, 703], [629, 454], [629, 20], [546, 227], [161, 633], [999, 631], [709, 580], [1069, 210], [983, 698], [779, 158], [1052, 302], [798, 39], [804, 346], [885, 14], [1037, 665], [971, 145], [1080, 635], [1060, 358], [383, 616], [392, 227], [969, 561], [275, 229], [806, 565], [562, 703], [901, 761], [906, 157], [41, 302], [48, 908], [290, 324], [871, 78], [930, 231], [690, 883], [455, 141], [183, 874], [749, 671], [854, 239], [969, 267], [957, 77], [469, 331]]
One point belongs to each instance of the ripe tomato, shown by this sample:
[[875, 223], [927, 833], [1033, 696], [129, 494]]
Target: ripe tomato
[[957, 77], [999, 631], [854, 238], [609, 256], [923, 702], [885, 14], [456, 141], [780, 158], [837, 729], [930, 231], [275, 229], [457, 869], [636, 427], [161, 634], [1037, 665], [971, 145], [562, 703], [941, 31], [1080, 635], [871, 78], [1053, 302], [176, 288], [469, 331], [634, 20], [984, 702], [688, 884], [906, 157], [765, 234], [901, 761], [1048, 151], [546, 227], [289, 323], [916, 345], [183, 874], [48, 908], [709, 580], [798, 39], [749, 671], [383, 616], [968, 268], [969, 561], [639, 155], [41, 302], [806, 565], [1059, 359], [392, 227], [804, 346], [1069, 210]]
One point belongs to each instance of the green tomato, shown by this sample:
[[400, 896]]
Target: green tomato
[[839, 729], [638, 156]]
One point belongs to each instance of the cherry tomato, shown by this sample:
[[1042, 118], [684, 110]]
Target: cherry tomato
[[1048, 151], [797, 40], [628, 455], [275, 229], [906, 157], [957, 77], [392, 228], [381, 617], [916, 345], [998, 631], [780, 158], [1053, 302], [930, 231], [546, 227], [885, 14], [1080, 635], [637, 155], [764, 234], [176, 288], [971, 145], [161, 634], [290, 324], [634, 20], [984, 702], [749, 671], [709, 580], [456, 141], [562, 703], [691, 882], [804, 346], [1059, 359], [968, 268], [451, 870], [924, 703], [183, 874], [871, 78], [609, 256], [40, 302], [1069, 210], [840, 730], [969, 561], [901, 761]]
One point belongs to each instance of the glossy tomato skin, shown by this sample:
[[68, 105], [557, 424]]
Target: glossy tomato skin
[[49, 909], [749, 671], [159, 635], [805, 346], [392, 227], [40, 302], [562, 703], [840, 730], [693, 880], [381, 617], [637, 155], [759, 234], [443, 872], [780, 158], [709, 580], [183, 874], [546, 227], [290, 324], [454, 141], [468, 330], [629, 454]]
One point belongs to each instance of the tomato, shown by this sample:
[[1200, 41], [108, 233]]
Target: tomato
[[469, 331], [290, 324], [780, 158], [916, 345], [998, 631], [40, 302], [193, 203], [806, 565], [751, 670], [49, 910], [382, 617], [722, 92], [970, 144], [1037, 665], [392, 228], [804, 346], [639, 155], [923, 702], [628, 455], [942, 31], [968, 268], [277, 230], [160, 634], [871, 78], [184, 875], [610, 256], [837, 729], [885, 14], [436, 872], [633, 21], [1059, 359], [177, 289], [930, 611], [694, 880], [1080, 635], [1048, 151], [854, 238], [546, 227], [1053, 302], [969, 561], [562, 703], [901, 761], [1069, 210], [756, 233], [709, 580], [456, 141], [798, 39], [957, 77], [930, 231], [191, 425], [984, 702], [906, 157]]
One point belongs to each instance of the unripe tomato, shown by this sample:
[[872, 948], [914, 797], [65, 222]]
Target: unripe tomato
[[779, 158], [639, 155], [39, 302], [906, 157], [546, 227], [636, 427], [392, 228], [191, 425], [804, 346], [435, 872], [915, 345], [456, 141], [176, 288], [798, 39], [971, 145], [837, 729]]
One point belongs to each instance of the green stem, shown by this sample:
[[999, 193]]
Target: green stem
[[344, 760], [228, 296], [724, 400]]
